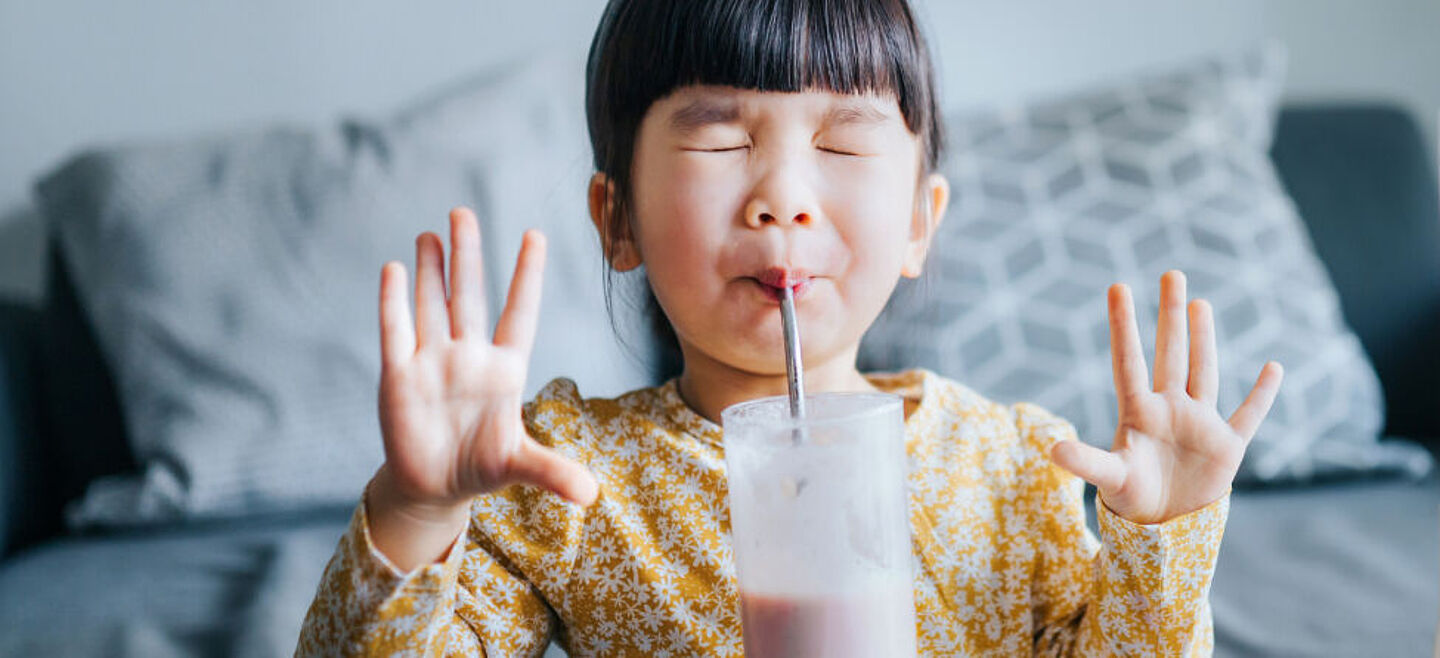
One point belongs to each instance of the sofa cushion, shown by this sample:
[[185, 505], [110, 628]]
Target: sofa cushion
[[232, 283], [237, 588], [1055, 200], [1347, 569]]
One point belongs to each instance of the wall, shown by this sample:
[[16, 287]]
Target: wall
[[82, 72]]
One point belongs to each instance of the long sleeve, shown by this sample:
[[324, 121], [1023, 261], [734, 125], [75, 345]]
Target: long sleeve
[[496, 592], [1139, 590], [365, 606]]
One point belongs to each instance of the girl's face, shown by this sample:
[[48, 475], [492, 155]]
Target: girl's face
[[738, 193]]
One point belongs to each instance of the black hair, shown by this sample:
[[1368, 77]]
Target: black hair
[[645, 49]]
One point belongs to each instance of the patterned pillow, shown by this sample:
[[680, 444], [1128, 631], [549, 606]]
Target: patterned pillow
[[1054, 201], [231, 281]]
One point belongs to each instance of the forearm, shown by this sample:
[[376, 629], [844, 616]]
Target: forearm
[[1151, 587]]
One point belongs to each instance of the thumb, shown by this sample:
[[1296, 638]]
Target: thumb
[[537, 465], [1105, 470]]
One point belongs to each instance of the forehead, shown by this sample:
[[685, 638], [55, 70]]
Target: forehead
[[695, 106]]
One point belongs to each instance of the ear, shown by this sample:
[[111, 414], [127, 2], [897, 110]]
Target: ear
[[615, 237], [930, 203]]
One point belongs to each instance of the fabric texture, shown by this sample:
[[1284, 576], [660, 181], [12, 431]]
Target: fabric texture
[[1056, 200], [1003, 562], [234, 588], [233, 283], [1341, 571]]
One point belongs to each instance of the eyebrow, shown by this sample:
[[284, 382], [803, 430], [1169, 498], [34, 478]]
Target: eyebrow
[[707, 111], [855, 112], [703, 112]]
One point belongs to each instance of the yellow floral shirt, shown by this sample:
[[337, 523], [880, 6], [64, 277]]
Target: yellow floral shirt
[[1004, 562]]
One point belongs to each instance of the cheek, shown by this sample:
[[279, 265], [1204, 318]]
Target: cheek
[[707, 188], [684, 204], [682, 212], [873, 207]]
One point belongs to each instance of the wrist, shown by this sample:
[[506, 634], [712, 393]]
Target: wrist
[[384, 497], [408, 533]]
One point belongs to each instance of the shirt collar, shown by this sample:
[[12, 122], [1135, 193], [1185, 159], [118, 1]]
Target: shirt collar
[[915, 384]]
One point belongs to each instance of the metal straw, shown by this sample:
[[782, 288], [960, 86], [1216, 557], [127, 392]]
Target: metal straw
[[794, 371]]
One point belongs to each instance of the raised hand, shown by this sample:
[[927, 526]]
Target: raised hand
[[450, 396], [1173, 453]]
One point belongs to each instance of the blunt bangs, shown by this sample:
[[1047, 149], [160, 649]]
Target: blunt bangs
[[646, 49]]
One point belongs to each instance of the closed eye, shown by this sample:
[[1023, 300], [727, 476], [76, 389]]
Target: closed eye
[[836, 151], [722, 149]]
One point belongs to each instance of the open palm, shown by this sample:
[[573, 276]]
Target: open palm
[[1173, 452], [450, 397]]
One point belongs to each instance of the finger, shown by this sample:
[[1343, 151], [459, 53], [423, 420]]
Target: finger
[[397, 333], [1170, 334], [431, 323], [1204, 382], [522, 306], [542, 467], [1127, 357], [1246, 419], [1105, 470], [467, 276]]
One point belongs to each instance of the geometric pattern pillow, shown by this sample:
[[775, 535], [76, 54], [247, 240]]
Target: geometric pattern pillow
[[1054, 201]]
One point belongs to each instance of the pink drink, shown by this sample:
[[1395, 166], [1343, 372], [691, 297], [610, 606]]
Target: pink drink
[[820, 519], [838, 626]]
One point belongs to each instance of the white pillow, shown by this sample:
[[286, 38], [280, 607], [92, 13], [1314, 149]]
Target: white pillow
[[1056, 200]]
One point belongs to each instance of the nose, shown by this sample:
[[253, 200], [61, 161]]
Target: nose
[[780, 200], [756, 217]]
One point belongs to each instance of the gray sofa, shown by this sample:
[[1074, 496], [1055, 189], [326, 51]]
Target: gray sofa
[[1335, 568]]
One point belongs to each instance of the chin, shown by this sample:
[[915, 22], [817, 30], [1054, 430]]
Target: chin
[[765, 356]]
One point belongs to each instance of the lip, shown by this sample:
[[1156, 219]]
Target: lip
[[773, 281], [780, 277]]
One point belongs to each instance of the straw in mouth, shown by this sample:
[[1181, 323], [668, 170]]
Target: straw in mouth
[[794, 371]]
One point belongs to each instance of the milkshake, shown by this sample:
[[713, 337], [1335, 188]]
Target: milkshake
[[858, 624], [821, 526]]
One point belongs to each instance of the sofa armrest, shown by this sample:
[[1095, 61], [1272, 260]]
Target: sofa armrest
[[28, 511]]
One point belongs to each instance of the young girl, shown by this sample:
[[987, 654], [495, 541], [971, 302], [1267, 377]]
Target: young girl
[[743, 147]]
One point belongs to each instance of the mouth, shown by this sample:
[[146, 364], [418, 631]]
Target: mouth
[[773, 281]]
